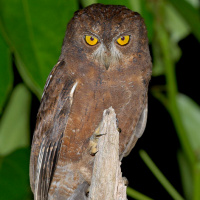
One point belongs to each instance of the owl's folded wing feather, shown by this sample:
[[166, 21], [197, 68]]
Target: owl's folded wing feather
[[138, 131], [51, 123], [48, 155]]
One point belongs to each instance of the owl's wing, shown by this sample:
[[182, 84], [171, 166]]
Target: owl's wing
[[138, 131], [51, 123]]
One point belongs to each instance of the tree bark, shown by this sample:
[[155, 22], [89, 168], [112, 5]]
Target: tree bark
[[107, 182]]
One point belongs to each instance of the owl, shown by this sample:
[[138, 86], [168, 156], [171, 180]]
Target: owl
[[105, 61]]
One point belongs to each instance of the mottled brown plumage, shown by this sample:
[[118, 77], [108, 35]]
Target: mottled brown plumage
[[86, 81]]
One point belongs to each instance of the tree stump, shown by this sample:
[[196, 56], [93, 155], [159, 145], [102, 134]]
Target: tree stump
[[107, 182]]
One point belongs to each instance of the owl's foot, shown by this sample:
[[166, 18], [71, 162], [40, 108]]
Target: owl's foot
[[94, 141]]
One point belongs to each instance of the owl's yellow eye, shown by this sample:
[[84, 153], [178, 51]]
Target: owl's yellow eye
[[91, 40], [123, 40]]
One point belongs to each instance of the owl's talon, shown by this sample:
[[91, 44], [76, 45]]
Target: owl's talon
[[93, 147], [94, 141]]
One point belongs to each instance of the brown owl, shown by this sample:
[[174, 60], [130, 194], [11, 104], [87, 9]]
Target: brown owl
[[104, 62]]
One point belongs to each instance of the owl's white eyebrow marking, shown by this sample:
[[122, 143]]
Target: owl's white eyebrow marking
[[116, 54], [100, 54]]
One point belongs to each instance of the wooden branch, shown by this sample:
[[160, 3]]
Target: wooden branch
[[107, 182]]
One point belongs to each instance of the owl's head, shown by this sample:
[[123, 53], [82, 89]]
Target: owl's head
[[107, 35]]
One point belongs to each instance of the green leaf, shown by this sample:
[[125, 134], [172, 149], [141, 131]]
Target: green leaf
[[171, 23], [190, 14], [186, 175], [159, 38], [6, 74], [35, 31], [136, 5], [161, 178], [158, 64], [190, 116], [136, 195], [175, 23], [14, 124], [88, 2], [115, 2], [194, 3], [14, 176], [144, 7], [177, 28]]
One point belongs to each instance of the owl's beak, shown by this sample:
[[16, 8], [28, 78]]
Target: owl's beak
[[107, 62], [107, 59]]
